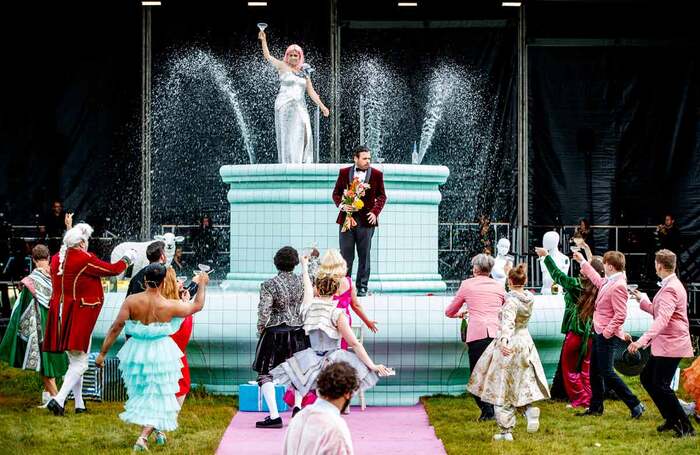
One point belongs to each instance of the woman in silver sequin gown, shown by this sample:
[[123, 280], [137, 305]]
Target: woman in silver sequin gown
[[292, 123]]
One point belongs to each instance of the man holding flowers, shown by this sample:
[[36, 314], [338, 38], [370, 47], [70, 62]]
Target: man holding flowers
[[359, 193]]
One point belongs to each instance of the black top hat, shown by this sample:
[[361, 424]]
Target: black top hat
[[627, 363]]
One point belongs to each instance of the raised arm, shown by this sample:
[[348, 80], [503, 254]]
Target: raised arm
[[308, 286], [113, 332], [315, 98], [99, 268], [588, 271], [559, 277], [359, 311], [266, 52], [350, 338], [181, 309]]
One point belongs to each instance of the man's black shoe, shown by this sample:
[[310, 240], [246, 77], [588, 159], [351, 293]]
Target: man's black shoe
[[683, 429], [637, 411], [56, 408], [589, 412], [269, 423], [80, 410], [362, 293], [666, 426], [295, 410]]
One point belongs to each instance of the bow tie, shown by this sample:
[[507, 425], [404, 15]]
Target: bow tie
[[360, 170]]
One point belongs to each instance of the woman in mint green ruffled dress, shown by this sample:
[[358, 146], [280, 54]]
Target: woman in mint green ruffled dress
[[150, 360]]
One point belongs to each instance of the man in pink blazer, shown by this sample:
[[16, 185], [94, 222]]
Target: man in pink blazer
[[481, 298], [608, 319], [669, 336]]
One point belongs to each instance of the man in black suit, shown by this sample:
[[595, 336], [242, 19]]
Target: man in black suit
[[360, 236]]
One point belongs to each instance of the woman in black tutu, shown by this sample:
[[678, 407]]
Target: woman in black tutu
[[281, 330]]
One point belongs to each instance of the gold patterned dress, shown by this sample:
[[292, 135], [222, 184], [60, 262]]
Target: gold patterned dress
[[517, 379]]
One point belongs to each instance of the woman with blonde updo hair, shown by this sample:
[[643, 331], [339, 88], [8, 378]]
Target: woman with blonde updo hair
[[333, 264], [509, 374], [326, 326]]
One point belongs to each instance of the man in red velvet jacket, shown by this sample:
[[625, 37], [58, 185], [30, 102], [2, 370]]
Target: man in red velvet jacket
[[75, 304], [360, 236]]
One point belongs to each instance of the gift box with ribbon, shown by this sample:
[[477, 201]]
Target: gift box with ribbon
[[250, 398]]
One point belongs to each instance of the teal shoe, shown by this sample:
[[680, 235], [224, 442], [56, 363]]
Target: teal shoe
[[140, 445], [160, 438]]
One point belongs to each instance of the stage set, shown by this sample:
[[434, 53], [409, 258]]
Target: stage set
[[273, 205]]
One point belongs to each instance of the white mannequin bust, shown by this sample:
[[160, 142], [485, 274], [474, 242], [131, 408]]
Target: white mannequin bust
[[550, 242], [498, 272]]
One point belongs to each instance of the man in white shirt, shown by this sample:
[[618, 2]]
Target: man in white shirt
[[319, 429]]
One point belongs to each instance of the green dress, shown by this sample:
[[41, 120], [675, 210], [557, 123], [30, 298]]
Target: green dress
[[571, 321], [21, 345]]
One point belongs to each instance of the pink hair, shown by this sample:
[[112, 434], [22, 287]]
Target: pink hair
[[290, 49]]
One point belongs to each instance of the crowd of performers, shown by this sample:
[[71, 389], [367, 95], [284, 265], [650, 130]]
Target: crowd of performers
[[304, 325]]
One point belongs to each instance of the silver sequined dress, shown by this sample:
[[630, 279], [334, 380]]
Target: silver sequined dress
[[292, 123]]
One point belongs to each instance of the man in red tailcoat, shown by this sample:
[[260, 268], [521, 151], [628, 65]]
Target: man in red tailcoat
[[75, 304], [360, 236]]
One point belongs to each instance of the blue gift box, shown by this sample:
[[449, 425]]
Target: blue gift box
[[250, 398]]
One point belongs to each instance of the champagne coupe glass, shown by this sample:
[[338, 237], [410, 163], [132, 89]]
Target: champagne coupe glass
[[632, 287], [262, 26], [203, 268], [575, 249]]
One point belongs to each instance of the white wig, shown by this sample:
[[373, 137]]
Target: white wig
[[78, 233]]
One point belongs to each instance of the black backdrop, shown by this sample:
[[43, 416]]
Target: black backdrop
[[614, 122]]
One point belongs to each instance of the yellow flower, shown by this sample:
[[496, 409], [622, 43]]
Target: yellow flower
[[358, 204]]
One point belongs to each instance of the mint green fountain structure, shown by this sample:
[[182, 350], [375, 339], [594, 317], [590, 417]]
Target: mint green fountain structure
[[277, 205], [273, 205]]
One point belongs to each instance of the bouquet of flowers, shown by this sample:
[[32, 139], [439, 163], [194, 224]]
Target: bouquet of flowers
[[352, 197]]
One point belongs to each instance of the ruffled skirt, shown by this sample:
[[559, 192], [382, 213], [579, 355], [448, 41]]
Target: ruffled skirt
[[303, 368], [151, 369], [276, 345]]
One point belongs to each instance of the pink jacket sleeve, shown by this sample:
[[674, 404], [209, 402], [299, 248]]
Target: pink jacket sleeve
[[665, 306], [589, 272], [619, 306], [645, 305], [457, 301]]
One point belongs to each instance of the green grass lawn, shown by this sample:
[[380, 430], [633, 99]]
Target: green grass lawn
[[26, 429], [454, 419]]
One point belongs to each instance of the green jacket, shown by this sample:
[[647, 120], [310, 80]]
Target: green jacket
[[571, 321]]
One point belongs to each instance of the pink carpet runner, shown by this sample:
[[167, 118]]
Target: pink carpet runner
[[377, 430]]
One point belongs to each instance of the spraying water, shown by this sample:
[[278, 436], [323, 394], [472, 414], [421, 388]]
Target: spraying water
[[443, 83]]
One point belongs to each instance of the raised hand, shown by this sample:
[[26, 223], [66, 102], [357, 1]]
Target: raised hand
[[578, 257], [541, 252]]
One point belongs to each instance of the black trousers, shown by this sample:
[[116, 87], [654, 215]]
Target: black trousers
[[360, 238], [603, 375], [656, 379], [476, 349]]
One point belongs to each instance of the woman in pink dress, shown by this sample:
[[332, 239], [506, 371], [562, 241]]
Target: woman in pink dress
[[333, 264]]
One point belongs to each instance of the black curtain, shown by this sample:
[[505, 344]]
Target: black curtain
[[614, 138], [70, 111]]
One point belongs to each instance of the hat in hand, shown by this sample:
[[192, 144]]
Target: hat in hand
[[628, 363]]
